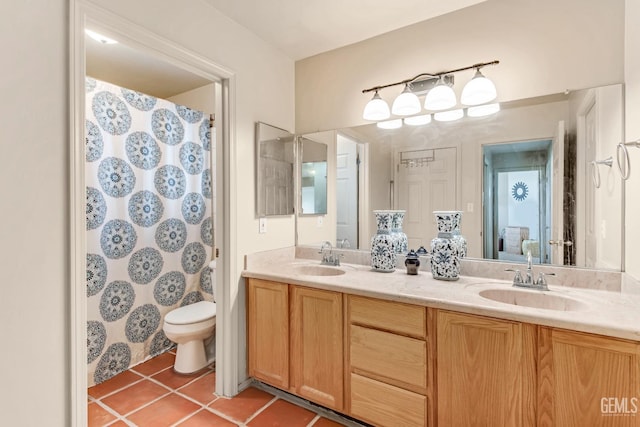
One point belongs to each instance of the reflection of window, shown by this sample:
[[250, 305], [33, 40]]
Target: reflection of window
[[314, 187]]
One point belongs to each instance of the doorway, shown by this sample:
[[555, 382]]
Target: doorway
[[141, 40], [516, 201]]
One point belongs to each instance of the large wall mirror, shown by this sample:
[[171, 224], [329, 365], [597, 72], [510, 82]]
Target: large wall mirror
[[527, 169], [275, 157]]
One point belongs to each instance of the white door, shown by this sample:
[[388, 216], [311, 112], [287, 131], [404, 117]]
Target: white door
[[347, 191], [556, 241], [420, 190]]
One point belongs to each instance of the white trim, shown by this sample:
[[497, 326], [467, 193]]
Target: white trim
[[118, 27], [582, 179], [77, 226]]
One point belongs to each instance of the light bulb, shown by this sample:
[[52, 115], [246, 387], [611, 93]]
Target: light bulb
[[99, 37], [479, 90], [440, 97], [376, 109], [406, 104], [483, 110], [390, 124], [418, 120], [449, 116]]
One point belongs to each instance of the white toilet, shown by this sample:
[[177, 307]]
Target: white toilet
[[192, 327]]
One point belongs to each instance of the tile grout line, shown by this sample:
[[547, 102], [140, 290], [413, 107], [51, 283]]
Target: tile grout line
[[314, 420], [153, 380], [259, 411], [110, 410], [117, 390]]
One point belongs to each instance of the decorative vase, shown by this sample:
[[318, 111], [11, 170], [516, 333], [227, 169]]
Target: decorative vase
[[401, 241], [383, 244], [412, 262], [457, 237], [446, 248]]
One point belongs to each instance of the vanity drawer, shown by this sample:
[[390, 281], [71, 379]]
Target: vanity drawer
[[396, 359], [385, 405], [404, 319]]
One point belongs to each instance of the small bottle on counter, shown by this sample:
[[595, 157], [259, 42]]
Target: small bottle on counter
[[412, 262]]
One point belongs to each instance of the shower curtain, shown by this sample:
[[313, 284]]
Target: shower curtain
[[149, 222]]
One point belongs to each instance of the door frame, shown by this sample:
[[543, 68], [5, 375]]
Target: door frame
[[118, 27]]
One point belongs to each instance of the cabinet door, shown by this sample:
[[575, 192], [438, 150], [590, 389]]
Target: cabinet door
[[587, 380], [485, 371], [268, 324], [317, 346]]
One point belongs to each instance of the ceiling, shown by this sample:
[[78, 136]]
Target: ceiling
[[299, 28], [137, 70], [303, 28]]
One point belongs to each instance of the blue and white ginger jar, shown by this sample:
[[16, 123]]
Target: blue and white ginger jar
[[383, 244]]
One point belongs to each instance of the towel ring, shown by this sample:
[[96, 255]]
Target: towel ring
[[622, 147], [595, 171]]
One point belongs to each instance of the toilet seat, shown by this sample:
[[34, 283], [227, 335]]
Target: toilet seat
[[192, 313]]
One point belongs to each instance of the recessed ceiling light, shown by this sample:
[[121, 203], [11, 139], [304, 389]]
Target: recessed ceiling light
[[99, 37]]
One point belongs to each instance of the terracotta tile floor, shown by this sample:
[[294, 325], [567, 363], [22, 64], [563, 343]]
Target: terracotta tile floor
[[153, 395]]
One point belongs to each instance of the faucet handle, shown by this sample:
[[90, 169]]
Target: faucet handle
[[542, 280], [517, 279]]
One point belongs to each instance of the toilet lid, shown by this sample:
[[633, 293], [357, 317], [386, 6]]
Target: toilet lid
[[192, 313]]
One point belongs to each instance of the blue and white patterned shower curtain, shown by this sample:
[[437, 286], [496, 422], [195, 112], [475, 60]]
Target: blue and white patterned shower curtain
[[149, 222]]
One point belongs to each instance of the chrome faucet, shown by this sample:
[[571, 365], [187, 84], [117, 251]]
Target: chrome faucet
[[528, 281], [329, 258]]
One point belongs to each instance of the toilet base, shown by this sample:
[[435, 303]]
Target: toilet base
[[190, 357]]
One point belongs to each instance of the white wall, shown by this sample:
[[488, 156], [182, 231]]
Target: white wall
[[202, 99], [34, 215], [35, 147], [632, 133], [544, 47]]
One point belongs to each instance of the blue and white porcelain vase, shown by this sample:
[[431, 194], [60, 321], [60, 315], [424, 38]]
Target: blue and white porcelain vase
[[383, 244], [401, 241], [445, 249], [457, 237]]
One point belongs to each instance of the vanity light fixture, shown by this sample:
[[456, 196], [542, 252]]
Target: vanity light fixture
[[448, 116], [376, 109], [390, 124], [440, 95], [483, 110], [418, 120], [406, 104], [479, 90], [99, 37]]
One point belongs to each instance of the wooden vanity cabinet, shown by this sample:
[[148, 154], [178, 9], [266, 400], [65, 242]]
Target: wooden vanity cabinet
[[317, 353], [268, 332], [587, 380], [485, 371], [295, 340], [388, 382], [394, 364]]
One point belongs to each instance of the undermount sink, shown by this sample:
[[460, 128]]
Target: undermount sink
[[534, 299], [317, 270]]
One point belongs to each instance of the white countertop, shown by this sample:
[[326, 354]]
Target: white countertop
[[607, 313]]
